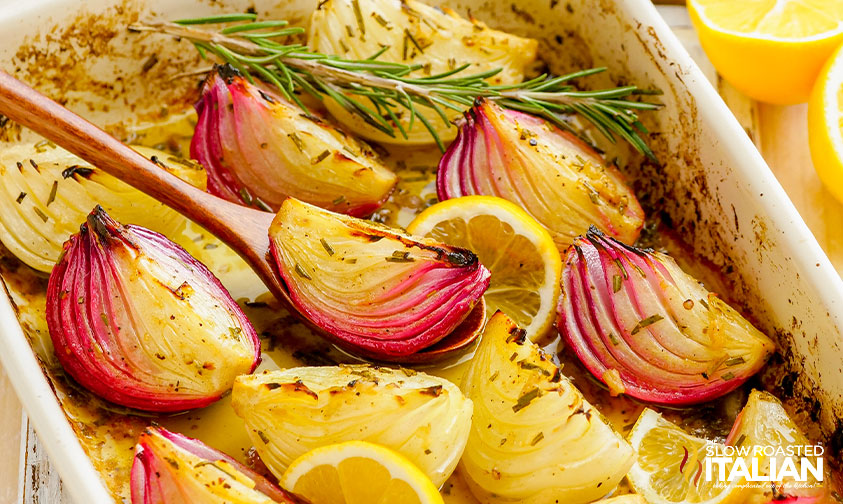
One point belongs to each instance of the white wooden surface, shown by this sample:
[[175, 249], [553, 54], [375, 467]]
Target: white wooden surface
[[780, 133]]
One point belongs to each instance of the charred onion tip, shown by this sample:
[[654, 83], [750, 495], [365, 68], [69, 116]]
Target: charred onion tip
[[226, 71], [100, 223]]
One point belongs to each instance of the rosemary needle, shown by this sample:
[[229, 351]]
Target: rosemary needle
[[373, 89]]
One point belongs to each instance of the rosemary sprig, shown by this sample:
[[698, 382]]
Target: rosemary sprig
[[374, 90]]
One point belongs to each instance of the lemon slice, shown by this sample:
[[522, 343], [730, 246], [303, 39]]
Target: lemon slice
[[771, 50], [357, 472], [825, 125], [525, 263], [664, 474], [764, 423]]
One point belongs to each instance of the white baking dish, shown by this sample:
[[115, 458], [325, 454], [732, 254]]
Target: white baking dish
[[719, 193]]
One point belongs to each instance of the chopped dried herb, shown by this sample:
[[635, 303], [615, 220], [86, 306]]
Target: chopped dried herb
[[302, 273], [623, 270], [734, 361], [381, 21], [533, 367], [53, 192], [652, 319], [617, 283], [355, 4], [339, 200], [400, 256], [20, 197], [715, 366], [537, 439], [40, 214], [526, 399], [297, 141], [326, 246], [321, 157], [415, 42], [262, 205], [245, 195]]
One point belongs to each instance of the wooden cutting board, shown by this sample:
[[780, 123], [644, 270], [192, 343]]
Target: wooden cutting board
[[780, 133]]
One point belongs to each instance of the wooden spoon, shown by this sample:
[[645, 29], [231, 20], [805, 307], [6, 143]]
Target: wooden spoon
[[242, 228]]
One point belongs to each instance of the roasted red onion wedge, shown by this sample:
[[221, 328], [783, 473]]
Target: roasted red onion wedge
[[553, 175], [171, 468], [138, 321], [646, 328], [258, 149], [382, 293]]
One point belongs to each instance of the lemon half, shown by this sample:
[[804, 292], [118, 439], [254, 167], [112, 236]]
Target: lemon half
[[771, 50], [825, 125]]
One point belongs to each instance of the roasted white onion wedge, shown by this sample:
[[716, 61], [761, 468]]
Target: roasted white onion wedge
[[46, 192], [380, 292], [259, 149], [290, 412], [558, 179], [534, 438], [171, 468], [138, 321], [435, 38], [646, 328]]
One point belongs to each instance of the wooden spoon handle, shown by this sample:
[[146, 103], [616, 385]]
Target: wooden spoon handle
[[243, 229]]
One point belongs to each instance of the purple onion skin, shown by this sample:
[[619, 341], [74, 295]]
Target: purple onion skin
[[153, 481], [258, 149], [636, 312], [406, 307], [94, 326]]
